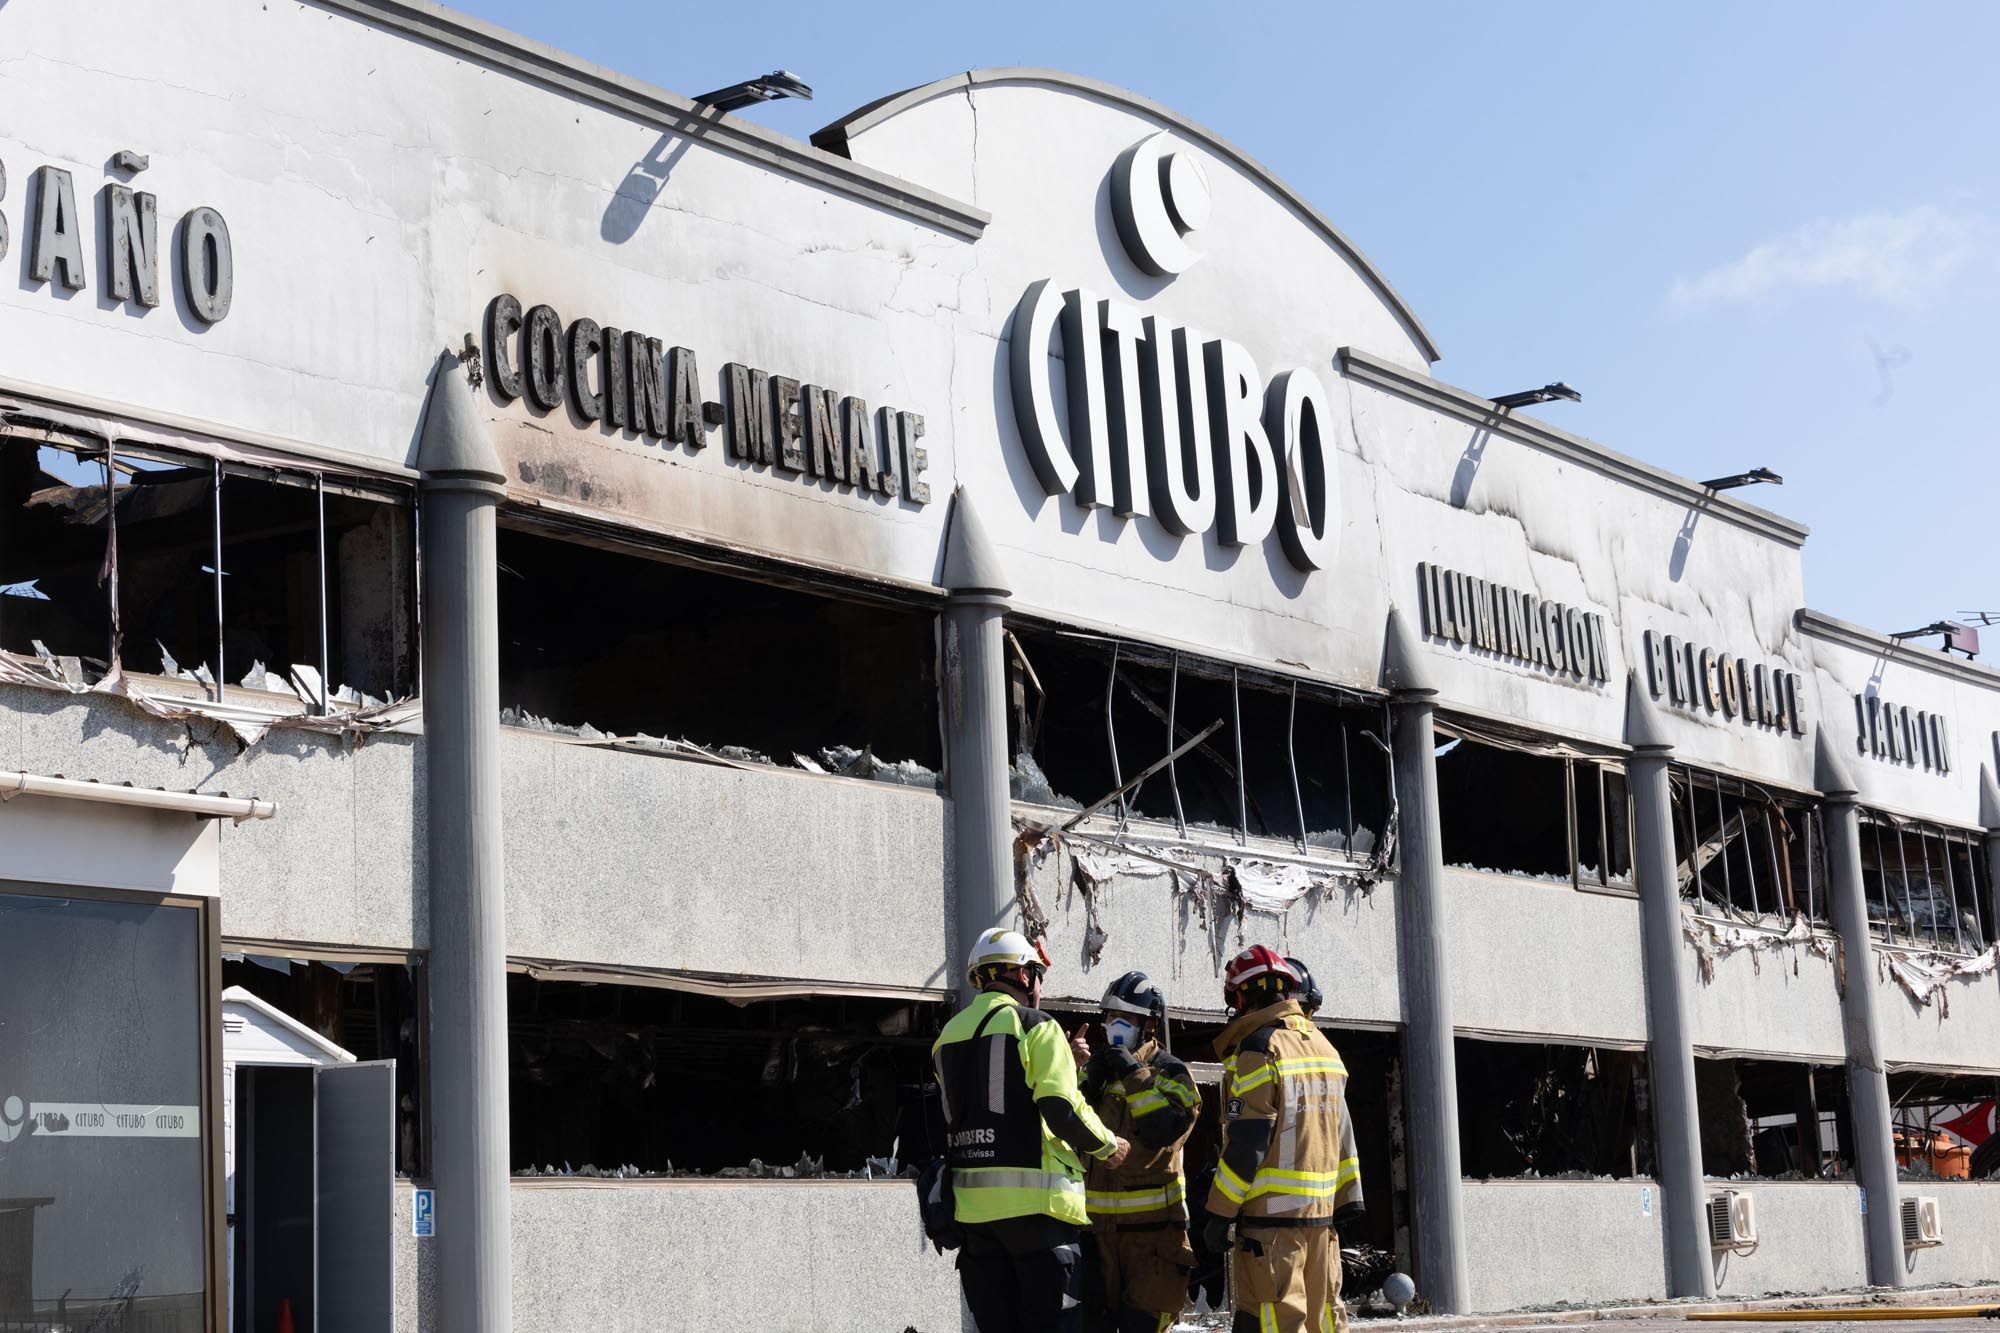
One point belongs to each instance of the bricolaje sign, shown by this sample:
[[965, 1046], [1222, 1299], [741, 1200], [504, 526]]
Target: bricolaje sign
[[127, 241], [1159, 420], [628, 381], [1898, 734], [1507, 622], [1710, 681]]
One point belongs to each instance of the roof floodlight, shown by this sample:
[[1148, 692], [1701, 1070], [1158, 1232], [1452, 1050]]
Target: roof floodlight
[[1750, 478], [1548, 393], [767, 88]]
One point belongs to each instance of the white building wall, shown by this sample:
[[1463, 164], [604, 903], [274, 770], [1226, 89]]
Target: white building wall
[[1970, 1254], [1809, 1238], [706, 1257], [1536, 957], [655, 862], [1783, 1002], [1958, 1029], [1580, 1242]]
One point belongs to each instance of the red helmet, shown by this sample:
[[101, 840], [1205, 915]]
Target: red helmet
[[1258, 974]]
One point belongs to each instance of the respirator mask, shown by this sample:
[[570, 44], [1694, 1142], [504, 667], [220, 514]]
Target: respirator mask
[[1122, 1033]]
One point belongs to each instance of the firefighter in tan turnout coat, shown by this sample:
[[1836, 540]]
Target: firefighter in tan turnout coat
[[1288, 1154], [1138, 1209]]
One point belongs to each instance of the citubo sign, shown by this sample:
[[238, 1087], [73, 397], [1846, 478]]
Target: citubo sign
[[1161, 419]]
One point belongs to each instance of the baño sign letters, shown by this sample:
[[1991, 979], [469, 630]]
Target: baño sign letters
[[127, 224], [628, 381]]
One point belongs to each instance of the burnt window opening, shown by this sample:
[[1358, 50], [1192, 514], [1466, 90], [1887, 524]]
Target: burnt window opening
[[223, 575], [1743, 854], [373, 1010], [1927, 886], [1514, 812], [1947, 1125], [1773, 1120], [629, 644], [1374, 1095], [1601, 811], [169, 619], [615, 1079], [316, 587], [1548, 1110], [53, 591], [1289, 759]]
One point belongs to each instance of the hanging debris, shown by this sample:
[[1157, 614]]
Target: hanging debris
[[1923, 976], [1712, 941]]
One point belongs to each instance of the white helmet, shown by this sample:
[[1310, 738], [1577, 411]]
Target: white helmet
[[1003, 948]]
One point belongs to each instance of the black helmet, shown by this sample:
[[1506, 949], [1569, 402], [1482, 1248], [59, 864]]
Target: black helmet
[[1308, 994], [1135, 993]]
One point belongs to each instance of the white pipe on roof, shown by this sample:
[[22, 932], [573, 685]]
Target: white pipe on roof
[[237, 808]]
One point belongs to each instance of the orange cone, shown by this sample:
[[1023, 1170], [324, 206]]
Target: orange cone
[[285, 1316]]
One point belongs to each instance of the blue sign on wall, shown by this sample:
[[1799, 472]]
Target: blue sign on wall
[[423, 1214]]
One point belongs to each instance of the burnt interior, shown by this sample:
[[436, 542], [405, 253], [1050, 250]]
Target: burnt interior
[[1091, 714], [1547, 1109], [607, 1076], [634, 644], [1773, 1119]]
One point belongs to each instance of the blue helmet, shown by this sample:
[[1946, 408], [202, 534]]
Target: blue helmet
[[1308, 994]]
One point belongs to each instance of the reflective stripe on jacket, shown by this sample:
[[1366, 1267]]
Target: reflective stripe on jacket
[[995, 1061], [1288, 1143], [1154, 1109]]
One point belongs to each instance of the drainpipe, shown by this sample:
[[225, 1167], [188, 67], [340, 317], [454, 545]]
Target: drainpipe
[[975, 723], [460, 490], [1670, 1040], [1430, 1068], [1867, 1081]]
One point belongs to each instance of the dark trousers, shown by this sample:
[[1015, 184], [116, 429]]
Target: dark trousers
[[1023, 1275]]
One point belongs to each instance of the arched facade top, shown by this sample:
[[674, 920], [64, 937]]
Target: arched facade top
[[835, 138]]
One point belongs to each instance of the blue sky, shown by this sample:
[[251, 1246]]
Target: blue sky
[[1751, 234]]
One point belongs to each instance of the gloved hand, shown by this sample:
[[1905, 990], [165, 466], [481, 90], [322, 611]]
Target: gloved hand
[[1350, 1218], [1116, 1061], [1215, 1234]]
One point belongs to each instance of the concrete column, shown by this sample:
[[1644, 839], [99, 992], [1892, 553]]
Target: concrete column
[[1989, 819], [1867, 1082], [1670, 1039], [975, 725], [1429, 1065], [460, 489]]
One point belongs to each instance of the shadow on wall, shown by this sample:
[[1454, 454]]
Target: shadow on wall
[[1468, 467], [1684, 541], [636, 194]]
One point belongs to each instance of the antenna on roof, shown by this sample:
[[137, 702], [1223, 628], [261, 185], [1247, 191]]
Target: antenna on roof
[[1963, 638]]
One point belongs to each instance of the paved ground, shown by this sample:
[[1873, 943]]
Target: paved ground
[[1665, 1321], [1671, 1323]]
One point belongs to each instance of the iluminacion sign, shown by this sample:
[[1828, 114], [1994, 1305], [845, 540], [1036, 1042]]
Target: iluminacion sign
[[1507, 622]]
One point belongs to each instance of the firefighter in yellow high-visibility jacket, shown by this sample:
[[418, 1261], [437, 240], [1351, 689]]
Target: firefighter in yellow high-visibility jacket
[[1016, 1129], [1288, 1154]]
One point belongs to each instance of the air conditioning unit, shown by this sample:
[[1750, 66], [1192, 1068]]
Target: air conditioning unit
[[1923, 1223], [1732, 1221]]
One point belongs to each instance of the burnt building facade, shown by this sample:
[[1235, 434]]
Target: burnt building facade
[[538, 618]]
